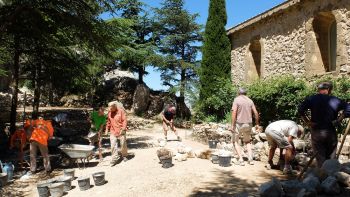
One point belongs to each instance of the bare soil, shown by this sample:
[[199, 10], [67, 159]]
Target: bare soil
[[142, 174]]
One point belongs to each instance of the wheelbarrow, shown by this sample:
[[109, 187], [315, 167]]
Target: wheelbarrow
[[77, 152]]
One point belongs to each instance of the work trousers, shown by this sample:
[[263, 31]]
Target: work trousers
[[34, 146], [114, 146], [324, 142]]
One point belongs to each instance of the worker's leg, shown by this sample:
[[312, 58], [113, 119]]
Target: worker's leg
[[165, 129], [114, 149], [123, 146], [288, 156], [100, 146], [237, 147], [247, 138], [319, 145], [33, 151], [46, 159]]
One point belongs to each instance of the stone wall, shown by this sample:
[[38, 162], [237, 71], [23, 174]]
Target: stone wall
[[290, 42]]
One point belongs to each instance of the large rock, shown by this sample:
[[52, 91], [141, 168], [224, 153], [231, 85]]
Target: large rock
[[331, 166], [312, 183], [140, 99], [156, 104], [330, 186], [271, 189], [292, 187]]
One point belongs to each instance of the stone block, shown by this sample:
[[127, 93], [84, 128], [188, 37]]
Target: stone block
[[271, 189], [343, 178], [312, 183], [330, 186], [331, 166], [292, 187]]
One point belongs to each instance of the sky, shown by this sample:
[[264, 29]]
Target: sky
[[238, 11]]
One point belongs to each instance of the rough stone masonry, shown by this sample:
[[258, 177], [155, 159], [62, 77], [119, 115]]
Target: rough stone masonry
[[299, 37]]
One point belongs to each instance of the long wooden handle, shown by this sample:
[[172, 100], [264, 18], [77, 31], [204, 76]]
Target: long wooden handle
[[344, 138]]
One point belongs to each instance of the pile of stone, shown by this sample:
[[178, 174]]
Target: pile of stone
[[136, 123], [331, 179], [212, 131]]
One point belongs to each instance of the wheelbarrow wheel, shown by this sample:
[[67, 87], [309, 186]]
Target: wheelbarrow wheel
[[66, 162]]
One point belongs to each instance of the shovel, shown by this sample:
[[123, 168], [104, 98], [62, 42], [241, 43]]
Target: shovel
[[346, 132]]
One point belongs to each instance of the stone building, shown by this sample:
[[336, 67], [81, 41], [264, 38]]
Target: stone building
[[298, 37]]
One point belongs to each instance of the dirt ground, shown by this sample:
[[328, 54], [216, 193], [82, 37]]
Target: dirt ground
[[142, 174]]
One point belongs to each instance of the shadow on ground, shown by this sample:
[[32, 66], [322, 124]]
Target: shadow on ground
[[142, 142], [226, 184]]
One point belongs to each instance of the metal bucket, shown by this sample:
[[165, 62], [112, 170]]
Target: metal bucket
[[67, 182], [99, 178], [84, 183], [43, 189], [69, 173], [224, 160], [214, 158], [167, 162], [212, 144], [56, 189], [3, 179]]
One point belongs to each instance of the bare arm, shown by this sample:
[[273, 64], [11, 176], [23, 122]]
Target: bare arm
[[256, 115]]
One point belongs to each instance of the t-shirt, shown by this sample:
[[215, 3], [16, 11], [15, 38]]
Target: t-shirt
[[244, 109], [98, 120], [168, 114], [324, 109], [285, 127]]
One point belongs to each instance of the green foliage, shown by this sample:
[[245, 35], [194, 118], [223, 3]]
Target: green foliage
[[278, 98], [216, 59]]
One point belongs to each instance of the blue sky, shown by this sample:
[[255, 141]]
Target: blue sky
[[238, 11]]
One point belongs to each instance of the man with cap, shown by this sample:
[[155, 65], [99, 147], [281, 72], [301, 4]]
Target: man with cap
[[243, 109], [282, 133], [324, 115]]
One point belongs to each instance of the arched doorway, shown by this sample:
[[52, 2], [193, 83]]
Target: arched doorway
[[325, 28], [254, 71]]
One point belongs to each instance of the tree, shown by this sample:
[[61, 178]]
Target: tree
[[140, 49], [178, 35], [215, 65], [39, 29]]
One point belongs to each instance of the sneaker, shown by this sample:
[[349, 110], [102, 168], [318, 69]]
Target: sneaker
[[125, 159], [251, 162], [27, 176], [287, 171], [240, 162]]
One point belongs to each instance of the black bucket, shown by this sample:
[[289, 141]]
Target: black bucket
[[43, 189], [167, 162], [224, 160], [67, 182], [212, 144], [69, 172], [214, 158], [99, 178], [56, 189], [84, 183]]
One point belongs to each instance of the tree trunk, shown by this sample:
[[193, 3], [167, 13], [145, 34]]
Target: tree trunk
[[37, 86], [141, 72], [15, 80], [182, 109], [50, 92]]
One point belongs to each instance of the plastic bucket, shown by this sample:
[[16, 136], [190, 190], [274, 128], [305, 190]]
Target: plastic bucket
[[99, 178], [212, 144], [214, 158], [224, 160], [167, 162], [67, 182], [56, 189], [69, 173], [3, 179], [84, 183]]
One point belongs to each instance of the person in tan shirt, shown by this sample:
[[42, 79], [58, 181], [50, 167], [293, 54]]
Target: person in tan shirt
[[243, 109]]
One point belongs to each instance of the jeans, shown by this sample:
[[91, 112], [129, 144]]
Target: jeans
[[324, 142]]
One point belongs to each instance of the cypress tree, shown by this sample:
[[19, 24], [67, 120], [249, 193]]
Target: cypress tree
[[215, 65]]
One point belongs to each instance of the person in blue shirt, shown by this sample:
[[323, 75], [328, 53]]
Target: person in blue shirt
[[324, 115]]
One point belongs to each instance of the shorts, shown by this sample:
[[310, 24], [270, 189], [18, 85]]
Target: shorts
[[275, 139], [244, 129]]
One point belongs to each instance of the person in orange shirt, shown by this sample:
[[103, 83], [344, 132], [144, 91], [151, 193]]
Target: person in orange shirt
[[116, 125], [40, 132], [18, 140]]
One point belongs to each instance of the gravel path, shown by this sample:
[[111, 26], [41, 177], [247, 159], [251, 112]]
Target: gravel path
[[142, 175]]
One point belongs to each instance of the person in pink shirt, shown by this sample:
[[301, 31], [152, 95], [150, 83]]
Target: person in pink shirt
[[116, 125]]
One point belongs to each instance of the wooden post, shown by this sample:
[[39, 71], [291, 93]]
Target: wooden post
[[344, 138]]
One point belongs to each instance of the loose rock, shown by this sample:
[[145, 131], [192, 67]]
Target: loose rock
[[330, 186]]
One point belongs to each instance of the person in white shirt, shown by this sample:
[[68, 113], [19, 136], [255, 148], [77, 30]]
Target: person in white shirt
[[281, 133]]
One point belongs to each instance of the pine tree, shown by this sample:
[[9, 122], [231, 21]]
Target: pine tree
[[215, 65], [178, 37]]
